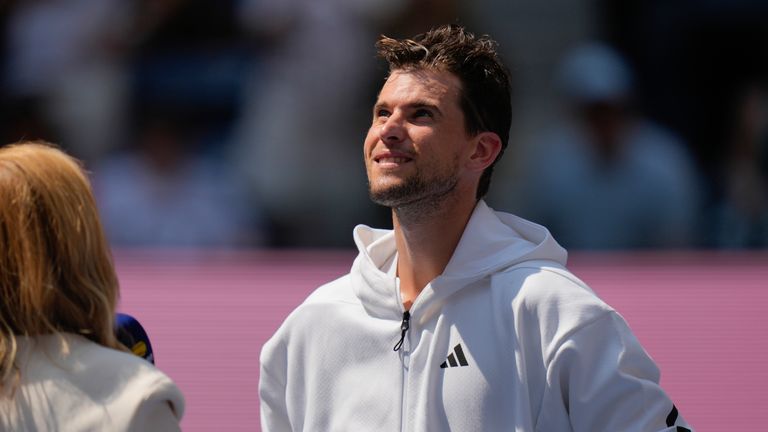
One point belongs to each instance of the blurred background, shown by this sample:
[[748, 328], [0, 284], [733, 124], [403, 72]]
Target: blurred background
[[224, 139], [239, 123]]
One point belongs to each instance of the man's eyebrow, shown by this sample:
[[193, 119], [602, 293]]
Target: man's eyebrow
[[424, 104], [413, 105]]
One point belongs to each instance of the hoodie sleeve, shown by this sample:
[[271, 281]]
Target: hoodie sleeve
[[600, 379], [272, 391]]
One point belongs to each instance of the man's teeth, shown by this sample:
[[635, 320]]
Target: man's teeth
[[393, 160]]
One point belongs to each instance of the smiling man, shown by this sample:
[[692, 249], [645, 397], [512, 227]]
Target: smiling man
[[461, 318]]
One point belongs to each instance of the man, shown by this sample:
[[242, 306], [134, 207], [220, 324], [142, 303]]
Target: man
[[490, 331]]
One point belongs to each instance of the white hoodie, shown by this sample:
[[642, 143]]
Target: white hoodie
[[505, 339]]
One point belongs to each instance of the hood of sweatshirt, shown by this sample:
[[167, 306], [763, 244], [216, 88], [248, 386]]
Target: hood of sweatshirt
[[492, 241]]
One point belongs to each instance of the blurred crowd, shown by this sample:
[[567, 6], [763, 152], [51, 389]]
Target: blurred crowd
[[239, 123]]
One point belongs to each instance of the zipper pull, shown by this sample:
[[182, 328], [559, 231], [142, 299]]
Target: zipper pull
[[404, 327]]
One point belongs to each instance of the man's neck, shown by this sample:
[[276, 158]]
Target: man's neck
[[426, 237]]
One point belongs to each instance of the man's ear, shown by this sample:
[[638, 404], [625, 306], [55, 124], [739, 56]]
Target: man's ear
[[487, 148]]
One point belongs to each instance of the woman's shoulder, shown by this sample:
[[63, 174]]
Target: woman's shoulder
[[68, 370], [132, 376]]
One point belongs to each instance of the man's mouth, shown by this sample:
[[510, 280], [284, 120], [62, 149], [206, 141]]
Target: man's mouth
[[394, 160], [391, 159]]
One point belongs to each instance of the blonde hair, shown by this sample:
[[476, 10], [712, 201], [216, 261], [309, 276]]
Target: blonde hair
[[56, 270]]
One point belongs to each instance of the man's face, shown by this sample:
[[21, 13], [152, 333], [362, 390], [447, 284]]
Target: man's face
[[417, 140]]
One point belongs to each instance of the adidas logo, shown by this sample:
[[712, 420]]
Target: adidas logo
[[457, 354]]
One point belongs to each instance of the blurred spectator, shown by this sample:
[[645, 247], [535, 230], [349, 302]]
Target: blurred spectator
[[605, 177], [741, 218], [164, 193], [191, 53], [694, 59], [299, 139], [169, 187], [69, 56]]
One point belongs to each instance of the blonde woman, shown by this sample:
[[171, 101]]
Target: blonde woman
[[61, 367]]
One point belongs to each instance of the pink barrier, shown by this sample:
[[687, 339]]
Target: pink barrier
[[701, 316]]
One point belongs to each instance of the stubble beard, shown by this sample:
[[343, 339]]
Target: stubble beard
[[417, 197]]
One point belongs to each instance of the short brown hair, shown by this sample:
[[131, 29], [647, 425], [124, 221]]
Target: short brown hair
[[485, 93], [56, 271]]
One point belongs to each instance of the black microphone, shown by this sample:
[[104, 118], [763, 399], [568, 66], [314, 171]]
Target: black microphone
[[131, 334]]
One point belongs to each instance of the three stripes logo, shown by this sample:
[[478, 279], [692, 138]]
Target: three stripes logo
[[455, 359]]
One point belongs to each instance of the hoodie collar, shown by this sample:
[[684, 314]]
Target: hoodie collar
[[491, 241]]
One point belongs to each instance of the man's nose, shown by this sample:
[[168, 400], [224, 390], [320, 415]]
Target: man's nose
[[392, 131]]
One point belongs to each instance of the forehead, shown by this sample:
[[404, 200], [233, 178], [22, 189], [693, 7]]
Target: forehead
[[434, 86]]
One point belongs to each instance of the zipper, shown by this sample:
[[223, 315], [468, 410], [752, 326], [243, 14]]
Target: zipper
[[404, 326], [404, 405], [405, 356]]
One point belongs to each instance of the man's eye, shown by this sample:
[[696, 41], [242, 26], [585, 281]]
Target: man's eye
[[382, 113], [422, 113]]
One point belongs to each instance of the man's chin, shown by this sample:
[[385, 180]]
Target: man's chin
[[393, 196], [386, 200], [416, 191]]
